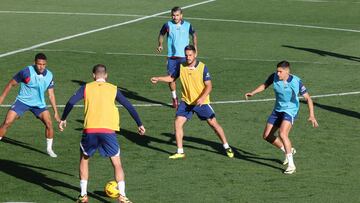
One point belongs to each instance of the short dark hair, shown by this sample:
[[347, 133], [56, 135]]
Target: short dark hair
[[190, 47], [40, 56], [176, 9], [98, 68], [283, 64]]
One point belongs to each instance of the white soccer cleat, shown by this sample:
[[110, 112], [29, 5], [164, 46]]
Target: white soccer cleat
[[290, 170], [286, 161], [51, 153]]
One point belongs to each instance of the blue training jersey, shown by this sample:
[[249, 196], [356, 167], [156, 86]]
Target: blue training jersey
[[177, 37], [33, 86], [286, 92]]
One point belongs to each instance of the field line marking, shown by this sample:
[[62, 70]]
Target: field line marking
[[98, 30], [223, 102], [191, 18]]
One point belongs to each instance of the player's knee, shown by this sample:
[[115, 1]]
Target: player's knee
[[6, 124]]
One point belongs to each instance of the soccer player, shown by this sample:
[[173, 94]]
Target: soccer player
[[196, 87], [34, 81], [287, 87], [100, 123], [178, 32]]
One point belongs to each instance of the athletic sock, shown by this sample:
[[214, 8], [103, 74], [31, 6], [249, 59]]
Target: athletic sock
[[283, 149], [180, 150], [226, 145], [1, 138], [83, 187], [173, 94], [121, 187], [49, 143], [290, 159]]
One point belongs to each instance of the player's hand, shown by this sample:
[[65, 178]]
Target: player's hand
[[62, 125], [57, 117], [200, 101], [141, 130], [154, 80], [159, 49], [249, 94], [313, 121]]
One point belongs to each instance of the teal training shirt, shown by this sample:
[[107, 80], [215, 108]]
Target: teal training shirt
[[32, 92]]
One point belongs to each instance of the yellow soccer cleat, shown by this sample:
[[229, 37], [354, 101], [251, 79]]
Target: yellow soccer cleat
[[123, 199], [290, 170], [229, 152], [177, 156], [82, 199]]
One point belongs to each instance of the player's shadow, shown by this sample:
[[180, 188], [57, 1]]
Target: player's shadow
[[219, 149], [22, 144], [325, 53], [335, 109], [135, 96], [130, 94], [144, 141], [32, 175]]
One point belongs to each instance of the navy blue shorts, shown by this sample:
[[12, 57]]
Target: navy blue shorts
[[204, 112], [276, 118], [20, 109], [106, 143], [173, 63]]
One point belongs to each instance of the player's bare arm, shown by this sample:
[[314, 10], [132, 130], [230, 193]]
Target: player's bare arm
[[261, 88], [160, 45], [204, 93], [11, 83], [195, 42], [310, 104], [167, 78], [53, 103]]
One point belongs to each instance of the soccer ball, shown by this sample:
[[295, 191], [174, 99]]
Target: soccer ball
[[111, 189]]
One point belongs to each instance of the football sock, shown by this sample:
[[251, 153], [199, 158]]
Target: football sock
[[282, 148], [180, 150], [173, 94], [226, 145], [121, 187], [83, 187], [49, 143], [1, 138], [290, 159]]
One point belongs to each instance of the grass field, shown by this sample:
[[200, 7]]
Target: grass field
[[241, 41]]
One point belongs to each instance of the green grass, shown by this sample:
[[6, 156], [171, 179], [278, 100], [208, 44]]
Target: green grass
[[239, 55]]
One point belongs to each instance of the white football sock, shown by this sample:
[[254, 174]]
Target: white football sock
[[290, 159], [49, 143], [173, 94], [226, 145], [121, 187], [83, 187], [283, 149], [180, 150], [1, 138]]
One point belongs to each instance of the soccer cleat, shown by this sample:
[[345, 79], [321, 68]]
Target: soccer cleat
[[51, 153], [229, 152], [290, 170], [82, 199], [175, 103], [177, 156], [293, 151], [123, 199]]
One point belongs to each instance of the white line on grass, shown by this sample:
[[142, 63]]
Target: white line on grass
[[225, 102], [191, 18], [98, 30], [200, 57]]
